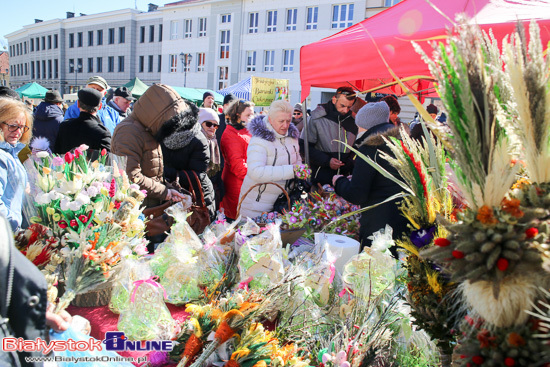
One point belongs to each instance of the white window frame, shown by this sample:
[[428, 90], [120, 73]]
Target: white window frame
[[187, 28], [174, 24], [173, 63], [269, 60], [288, 60], [312, 17], [250, 60], [253, 22], [271, 21], [341, 14], [225, 42], [223, 77], [202, 27], [225, 18], [201, 61], [291, 19]]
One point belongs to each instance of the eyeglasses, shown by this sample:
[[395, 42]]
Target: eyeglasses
[[210, 124], [296, 113], [14, 128]]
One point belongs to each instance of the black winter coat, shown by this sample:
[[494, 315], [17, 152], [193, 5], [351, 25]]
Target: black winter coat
[[47, 118], [185, 148], [85, 129], [28, 301], [368, 187]]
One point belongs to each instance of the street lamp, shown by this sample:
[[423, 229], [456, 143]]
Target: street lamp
[[185, 62], [76, 68]]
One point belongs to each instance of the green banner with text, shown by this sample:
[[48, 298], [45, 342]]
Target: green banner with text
[[267, 90]]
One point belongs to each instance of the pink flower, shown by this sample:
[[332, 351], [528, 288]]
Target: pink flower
[[77, 153], [83, 218], [103, 152], [83, 148], [112, 188], [62, 224], [57, 161], [73, 223], [69, 157]]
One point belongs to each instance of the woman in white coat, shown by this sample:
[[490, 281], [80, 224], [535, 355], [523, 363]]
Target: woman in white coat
[[273, 155]]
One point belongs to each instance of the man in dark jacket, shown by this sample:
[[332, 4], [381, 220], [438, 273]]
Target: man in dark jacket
[[86, 128], [330, 123], [47, 117], [369, 187], [226, 101], [121, 101]]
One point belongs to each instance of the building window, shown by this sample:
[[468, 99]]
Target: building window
[[291, 19], [160, 32], [26, 69], [288, 60], [202, 27], [173, 63], [142, 34], [188, 24], [269, 60], [226, 18], [100, 37], [32, 70], [251, 61], [44, 42], [271, 21], [152, 34], [159, 64], [55, 41], [71, 66], [111, 64], [90, 38], [121, 34], [121, 64], [224, 44], [79, 41], [201, 61], [71, 40], [150, 68], [38, 44], [111, 36], [90, 64], [174, 30], [388, 3], [141, 64], [311, 20], [32, 44], [252, 22], [223, 77], [342, 16], [50, 69], [55, 68], [49, 43], [99, 64], [79, 65]]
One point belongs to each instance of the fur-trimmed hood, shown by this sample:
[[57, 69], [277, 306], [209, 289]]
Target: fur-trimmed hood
[[260, 127], [376, 137]]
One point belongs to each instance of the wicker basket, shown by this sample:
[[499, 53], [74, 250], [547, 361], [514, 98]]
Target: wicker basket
[[100, 296], [287, 235]]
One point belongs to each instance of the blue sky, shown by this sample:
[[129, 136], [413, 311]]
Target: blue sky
[[16, 14]]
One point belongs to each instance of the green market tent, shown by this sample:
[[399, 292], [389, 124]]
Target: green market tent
[[195, 95], [136, 86], [218, 98], [32, 90]]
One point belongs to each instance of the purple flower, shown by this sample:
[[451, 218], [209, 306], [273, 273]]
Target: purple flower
[[328, 207], [423, 236], [57, 161], [293, 219]]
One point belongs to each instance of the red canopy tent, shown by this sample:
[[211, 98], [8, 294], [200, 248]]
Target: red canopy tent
[[351, 58]]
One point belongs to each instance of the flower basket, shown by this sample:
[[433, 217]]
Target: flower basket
[[99, 296], [287, 235]]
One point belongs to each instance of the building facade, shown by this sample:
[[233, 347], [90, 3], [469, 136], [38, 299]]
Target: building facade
[[195, 43], [4, 69]]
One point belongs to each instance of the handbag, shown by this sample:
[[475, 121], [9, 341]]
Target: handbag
[[200, 216], [295, 188]]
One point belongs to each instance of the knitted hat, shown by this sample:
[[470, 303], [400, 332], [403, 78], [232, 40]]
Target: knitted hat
[[228, 98], [373, 114], [90, 97], [207, 94], [208, 114], [97, 80]]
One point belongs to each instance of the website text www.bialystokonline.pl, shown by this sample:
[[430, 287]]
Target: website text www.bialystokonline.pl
[[95, 359]]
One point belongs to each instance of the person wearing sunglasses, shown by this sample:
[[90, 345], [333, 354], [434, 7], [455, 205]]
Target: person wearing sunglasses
[[210, 123], [15, 132], [331, 123], [297, 117], [186, 151]]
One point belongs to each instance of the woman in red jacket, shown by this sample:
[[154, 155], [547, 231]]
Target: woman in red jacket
[[234, 144]]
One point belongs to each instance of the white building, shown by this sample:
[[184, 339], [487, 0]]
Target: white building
[[228, 40]]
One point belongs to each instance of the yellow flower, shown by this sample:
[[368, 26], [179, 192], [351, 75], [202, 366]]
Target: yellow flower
[[56, 217], [433, 282], [46, 170], [50, 211], [95, 164]]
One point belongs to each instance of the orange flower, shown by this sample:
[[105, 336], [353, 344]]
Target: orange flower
[[515, 340], [521, 183], [512, 207], [485, 215], [92, 255]]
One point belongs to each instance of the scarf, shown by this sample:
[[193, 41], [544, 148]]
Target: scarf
[[181, 138], [215, 160], [346, 121]]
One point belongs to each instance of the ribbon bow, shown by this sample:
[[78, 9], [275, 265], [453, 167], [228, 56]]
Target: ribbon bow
[[152, 281]]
